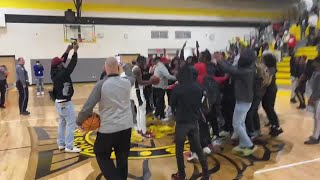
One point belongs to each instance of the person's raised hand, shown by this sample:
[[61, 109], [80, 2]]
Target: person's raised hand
[[69, 48], [76, 47], [184, 45]]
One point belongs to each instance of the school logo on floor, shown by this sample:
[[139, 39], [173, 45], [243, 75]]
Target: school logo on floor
[[139, 149], [46, 161]]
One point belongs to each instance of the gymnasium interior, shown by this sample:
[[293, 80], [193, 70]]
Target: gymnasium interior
[[39, 30]]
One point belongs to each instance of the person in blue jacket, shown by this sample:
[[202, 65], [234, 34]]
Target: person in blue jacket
[[38, 73]]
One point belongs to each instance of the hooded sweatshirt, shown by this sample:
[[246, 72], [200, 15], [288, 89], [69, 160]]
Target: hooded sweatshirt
[[38, 70], [62, 83], [186, 97], [243, 75], [162, 72]]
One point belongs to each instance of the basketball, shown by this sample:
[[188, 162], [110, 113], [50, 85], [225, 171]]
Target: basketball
[[91, 123], [155, 80]]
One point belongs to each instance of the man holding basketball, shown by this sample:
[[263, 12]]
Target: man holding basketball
[[113, 95], [63, 92]]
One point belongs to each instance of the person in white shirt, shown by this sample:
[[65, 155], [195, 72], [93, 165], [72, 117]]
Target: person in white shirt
[[313, 21]]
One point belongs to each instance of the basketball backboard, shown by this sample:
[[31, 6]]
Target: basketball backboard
[[83, 33]]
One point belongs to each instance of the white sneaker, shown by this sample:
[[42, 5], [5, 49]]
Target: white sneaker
[[224, 134], [61, 147], [206, 150], [234, 136], [42, 93], [165, 119], [38, 93], [193, 156], [218, 141], [73, 150]]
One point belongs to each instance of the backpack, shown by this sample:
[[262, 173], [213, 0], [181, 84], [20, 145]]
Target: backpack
[[264, 74]]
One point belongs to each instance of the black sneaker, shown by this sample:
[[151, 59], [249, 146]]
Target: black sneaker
[[293, 101], [275, 131], [177, 177], [24, 113], [311, 141], [302, 106]]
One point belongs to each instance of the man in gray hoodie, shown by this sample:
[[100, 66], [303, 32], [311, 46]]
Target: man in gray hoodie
[[243, 75], [159, 90], [113, 95]]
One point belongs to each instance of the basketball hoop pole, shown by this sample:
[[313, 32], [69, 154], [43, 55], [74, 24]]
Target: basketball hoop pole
[[78, 4]]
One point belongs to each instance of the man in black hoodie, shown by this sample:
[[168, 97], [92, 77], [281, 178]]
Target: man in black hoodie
[[63, 92], [186, 101], [244, 78], [269, 98]]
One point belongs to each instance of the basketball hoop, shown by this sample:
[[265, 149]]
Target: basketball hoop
[[83, 33]]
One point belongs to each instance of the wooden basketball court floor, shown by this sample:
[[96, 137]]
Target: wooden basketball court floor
[[28, 148]]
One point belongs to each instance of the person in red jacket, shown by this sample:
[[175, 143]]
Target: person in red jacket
[[292, 44]]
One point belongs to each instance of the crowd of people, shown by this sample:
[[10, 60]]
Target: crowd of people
[[305, 78], [210, 97]]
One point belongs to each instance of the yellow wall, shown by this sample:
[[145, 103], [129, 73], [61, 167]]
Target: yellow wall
[[49, 5]]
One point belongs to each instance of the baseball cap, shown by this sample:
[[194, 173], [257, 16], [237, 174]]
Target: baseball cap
[[56, 61]]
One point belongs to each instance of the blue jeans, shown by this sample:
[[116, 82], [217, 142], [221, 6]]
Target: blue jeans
[[239, 117], [67, 124], [39, 83]]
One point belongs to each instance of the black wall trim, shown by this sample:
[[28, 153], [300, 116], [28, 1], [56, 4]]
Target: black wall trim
[[14, 18]]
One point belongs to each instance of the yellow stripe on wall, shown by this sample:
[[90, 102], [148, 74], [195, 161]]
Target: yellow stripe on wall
[[46, 5]]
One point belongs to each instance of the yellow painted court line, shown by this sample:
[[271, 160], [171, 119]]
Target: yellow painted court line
[[48, 5], [287, 166]]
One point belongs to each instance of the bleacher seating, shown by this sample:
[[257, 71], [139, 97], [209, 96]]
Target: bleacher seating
[[283, 74]]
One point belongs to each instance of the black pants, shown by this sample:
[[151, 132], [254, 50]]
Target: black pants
[[212, 118], [268, 102], [147, 91], [192, 132], [291, 51], [3, 90], [204, 134], [158, 95], [23, 96], [120, 142], [228, 104], [312, 30], [252, 119], [168, 91], [300, 90]]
